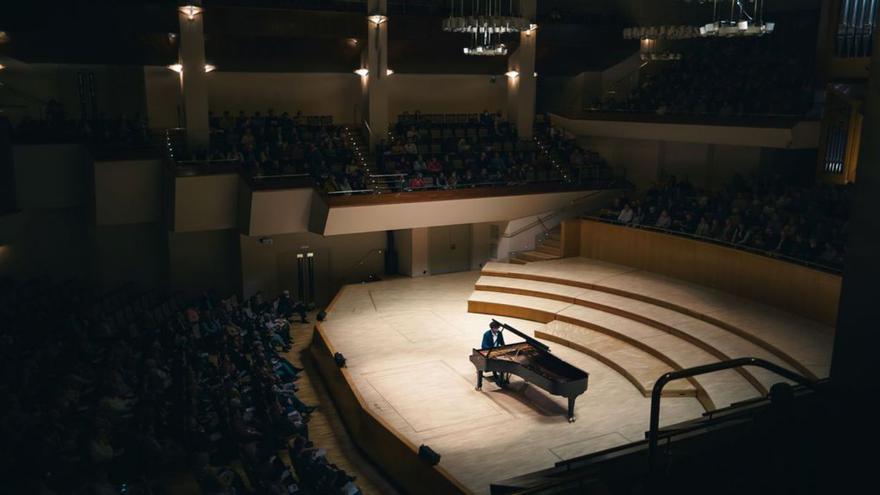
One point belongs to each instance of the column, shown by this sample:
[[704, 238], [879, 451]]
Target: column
[[193, 80], [375, 83], [856, 342], [521, 85]]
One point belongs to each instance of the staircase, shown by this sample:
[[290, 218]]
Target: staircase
[[549, 248]]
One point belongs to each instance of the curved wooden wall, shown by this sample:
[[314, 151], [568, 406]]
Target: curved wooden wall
[[396, 456], [794, 288]]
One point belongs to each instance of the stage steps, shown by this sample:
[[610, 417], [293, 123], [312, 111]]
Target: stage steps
[[671, 305], [719, 343], [575, 320], [550, 248], [640, 365]]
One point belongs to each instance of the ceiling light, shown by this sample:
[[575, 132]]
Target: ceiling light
[[176, 68], [511, 74], [190, 11], [377, 19], [362, 72]]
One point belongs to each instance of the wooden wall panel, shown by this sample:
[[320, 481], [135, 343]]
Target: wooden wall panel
[[798, 289], [394, 455]]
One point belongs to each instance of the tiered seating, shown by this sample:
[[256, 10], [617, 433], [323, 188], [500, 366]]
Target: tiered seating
[[643, 328], [125, 388]]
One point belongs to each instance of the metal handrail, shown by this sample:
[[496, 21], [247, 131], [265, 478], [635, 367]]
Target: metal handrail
[[654, 433]]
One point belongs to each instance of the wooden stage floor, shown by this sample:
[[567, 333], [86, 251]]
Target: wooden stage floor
[[407, 343]]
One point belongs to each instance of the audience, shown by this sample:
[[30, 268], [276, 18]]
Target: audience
[[760, 213], [273, 144], [448, 151], [115, 392], [123, 131], [752, 80]]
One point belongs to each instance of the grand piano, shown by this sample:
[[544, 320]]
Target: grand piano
[[531, 360]]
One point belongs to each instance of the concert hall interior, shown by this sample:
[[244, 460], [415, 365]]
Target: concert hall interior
[[488, 247]]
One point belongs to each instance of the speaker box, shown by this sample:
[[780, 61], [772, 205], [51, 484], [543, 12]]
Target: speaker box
[[429, 455], [340, 359]]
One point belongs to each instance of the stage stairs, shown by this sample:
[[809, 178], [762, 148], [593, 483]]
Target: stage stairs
[[549, 247]]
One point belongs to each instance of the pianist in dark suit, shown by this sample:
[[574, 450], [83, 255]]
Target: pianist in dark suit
[[493, 338]]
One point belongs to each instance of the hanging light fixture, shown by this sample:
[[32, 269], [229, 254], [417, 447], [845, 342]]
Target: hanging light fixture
[[486, 21], [741, 20]]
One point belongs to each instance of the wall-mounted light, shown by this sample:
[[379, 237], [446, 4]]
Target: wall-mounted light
[[362, 72], [190, 11], [176, 68], [210, 68], [377, 19], [310, 255], [532, 28], [388, 72], [2, 67], [511, 74], [535, 74]]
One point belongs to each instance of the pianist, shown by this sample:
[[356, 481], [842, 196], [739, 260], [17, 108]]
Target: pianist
[[494, 338]]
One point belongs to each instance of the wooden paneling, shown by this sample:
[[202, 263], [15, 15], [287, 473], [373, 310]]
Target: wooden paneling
[[395, 456], [804, 291], [570, 238]]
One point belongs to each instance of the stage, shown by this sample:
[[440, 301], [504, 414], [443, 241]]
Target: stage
[[407, 342]]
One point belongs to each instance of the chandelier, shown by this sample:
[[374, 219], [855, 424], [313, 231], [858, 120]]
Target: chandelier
[[745, 18], [485, 21], [660, 33]]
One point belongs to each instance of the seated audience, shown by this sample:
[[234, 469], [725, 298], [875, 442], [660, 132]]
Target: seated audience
[[114, 392], [762, 213], [753, 80]]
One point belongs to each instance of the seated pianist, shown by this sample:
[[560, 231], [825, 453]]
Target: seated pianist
[[494, 338], [530, 360]]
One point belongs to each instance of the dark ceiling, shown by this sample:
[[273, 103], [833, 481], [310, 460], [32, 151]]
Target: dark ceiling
[[327, 35]]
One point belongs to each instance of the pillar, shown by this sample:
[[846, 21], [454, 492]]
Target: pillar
[[193, 80], [375, 83], [856, 342], [521, 88]]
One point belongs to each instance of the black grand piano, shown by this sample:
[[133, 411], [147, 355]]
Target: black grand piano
[[531, 360]]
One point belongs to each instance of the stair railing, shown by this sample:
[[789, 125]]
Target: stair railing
[[654, 431]]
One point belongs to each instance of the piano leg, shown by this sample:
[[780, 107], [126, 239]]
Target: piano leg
[[479, 380], [571, 417]]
